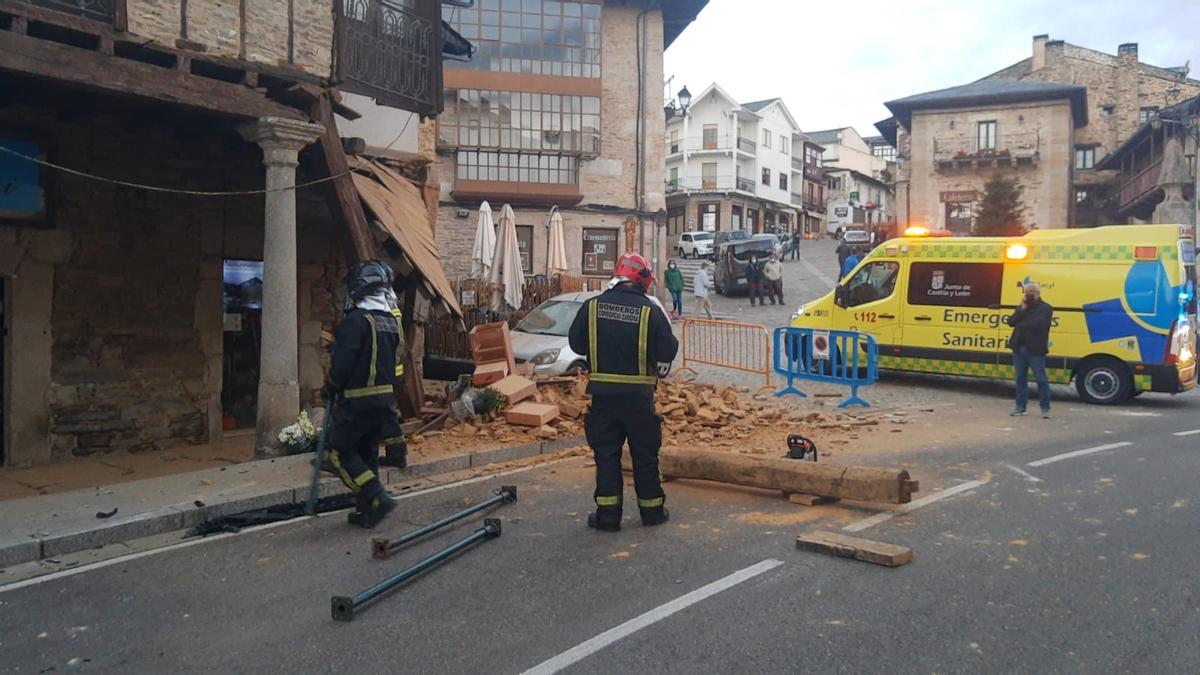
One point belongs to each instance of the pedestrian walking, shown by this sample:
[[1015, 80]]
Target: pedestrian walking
[[673, 280], [1030, 342], [368, 358], [773, 276], [754, 280], [843, 252], [700, 290], [796, 245], [628, 346]]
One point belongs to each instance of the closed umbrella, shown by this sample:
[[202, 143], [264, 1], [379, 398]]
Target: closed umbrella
[[506, 265], [485, 244], [556, 258]]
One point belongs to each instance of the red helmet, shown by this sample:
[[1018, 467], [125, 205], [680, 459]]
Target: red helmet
[[635, 268]]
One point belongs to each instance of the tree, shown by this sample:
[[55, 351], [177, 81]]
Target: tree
[[1001, 213]]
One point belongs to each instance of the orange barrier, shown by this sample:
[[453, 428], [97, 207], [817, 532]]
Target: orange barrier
[[727, 344]]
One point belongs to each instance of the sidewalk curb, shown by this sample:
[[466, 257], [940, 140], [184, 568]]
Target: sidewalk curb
[[181, 517]]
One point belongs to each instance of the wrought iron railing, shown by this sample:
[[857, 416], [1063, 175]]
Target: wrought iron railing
[[746, 145], [97, 10], [745, 185], [967, 148], [391, 50]]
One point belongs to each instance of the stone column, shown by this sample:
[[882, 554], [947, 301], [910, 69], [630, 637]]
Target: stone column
[[281, 140], [1173, 177]]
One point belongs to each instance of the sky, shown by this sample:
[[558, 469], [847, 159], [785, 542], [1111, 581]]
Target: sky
[[835, 63]]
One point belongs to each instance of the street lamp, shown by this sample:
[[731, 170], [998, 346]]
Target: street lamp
[[685, 101]]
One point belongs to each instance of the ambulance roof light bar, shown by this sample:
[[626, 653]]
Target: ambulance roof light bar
[[1016, 252], [917, 231]]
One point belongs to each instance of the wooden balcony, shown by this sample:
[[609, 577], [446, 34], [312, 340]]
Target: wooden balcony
[[105, 11], [1139, 186]]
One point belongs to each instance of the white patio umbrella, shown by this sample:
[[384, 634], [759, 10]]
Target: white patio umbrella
[[485, 244], [556, 257], [506, 265]]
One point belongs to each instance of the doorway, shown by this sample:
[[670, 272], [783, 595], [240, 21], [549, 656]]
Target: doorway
[[243, 282]]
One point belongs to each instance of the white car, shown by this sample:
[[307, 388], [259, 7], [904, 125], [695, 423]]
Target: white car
[[695, 245], [541, 337]]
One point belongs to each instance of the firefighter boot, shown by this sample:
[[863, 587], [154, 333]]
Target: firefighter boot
[[655, 516], [605, 519], [372, 504]]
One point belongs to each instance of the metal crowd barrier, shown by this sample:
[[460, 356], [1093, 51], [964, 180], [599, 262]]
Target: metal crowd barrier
[[837, 357], [727, 344]]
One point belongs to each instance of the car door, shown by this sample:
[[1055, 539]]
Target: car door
[[868, 301]]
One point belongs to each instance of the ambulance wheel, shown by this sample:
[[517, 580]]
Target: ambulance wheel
[[1103, 381]]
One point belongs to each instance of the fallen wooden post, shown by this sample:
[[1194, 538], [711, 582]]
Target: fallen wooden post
[[877, 552], [866, 484]]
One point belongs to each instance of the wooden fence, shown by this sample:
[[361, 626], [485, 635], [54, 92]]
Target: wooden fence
[[446, 337]]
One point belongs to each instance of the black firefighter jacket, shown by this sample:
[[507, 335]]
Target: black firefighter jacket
[[625, 336], [367, 358]]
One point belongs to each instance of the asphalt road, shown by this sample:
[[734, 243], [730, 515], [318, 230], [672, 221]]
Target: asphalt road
[[1083, 563]]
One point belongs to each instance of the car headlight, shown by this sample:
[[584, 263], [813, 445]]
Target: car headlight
[[545, 358]]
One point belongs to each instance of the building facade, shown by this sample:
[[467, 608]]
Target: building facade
[[560, 107], [1055, 140], [175, 288], [859, 195], [733, 166]]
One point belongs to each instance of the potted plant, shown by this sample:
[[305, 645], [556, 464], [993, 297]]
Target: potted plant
[[299, 437]]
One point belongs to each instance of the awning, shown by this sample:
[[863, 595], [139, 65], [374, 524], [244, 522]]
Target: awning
[[397, 205]]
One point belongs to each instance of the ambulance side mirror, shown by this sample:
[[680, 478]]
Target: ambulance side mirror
[[839, 296]]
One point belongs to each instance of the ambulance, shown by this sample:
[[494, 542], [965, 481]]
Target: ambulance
[[1123, 299]]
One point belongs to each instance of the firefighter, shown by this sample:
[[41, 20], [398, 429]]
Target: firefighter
[[367, 364], [628, 342]]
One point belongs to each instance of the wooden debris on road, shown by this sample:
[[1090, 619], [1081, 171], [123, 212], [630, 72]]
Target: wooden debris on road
[[809, 500], [876, 552]]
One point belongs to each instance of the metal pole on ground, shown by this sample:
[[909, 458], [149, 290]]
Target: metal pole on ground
[[382, 547], [343, 607]]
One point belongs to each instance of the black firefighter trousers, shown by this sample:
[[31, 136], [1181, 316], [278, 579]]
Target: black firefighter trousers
[[613, 420], [354, 447]]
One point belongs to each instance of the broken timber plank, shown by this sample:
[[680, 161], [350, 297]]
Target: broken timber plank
[[876, 552], [867, 484], [340, 193], [809, 500]]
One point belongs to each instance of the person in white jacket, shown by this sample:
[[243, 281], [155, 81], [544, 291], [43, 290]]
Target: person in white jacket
[[700, 290]]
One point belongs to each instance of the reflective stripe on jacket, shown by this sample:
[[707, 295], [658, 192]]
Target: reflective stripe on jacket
[[624, 338]]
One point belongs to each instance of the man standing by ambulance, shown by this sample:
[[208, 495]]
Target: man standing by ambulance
[[629, 344], [1030, 343]]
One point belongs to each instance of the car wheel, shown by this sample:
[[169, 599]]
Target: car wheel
[[1103, 381], [577, 368], [682, 254]]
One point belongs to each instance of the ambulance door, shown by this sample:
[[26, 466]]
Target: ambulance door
[[869, 301], [953, 315]]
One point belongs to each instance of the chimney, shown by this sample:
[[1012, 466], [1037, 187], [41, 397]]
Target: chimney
[[1128, 51], [1039, 51]]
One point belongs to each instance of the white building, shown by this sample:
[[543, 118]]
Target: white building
[[733, 165], [856, 175]]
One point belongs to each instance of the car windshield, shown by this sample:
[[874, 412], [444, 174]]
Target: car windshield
[[702, 236], [760, 249], [552, 317], [856, 236]]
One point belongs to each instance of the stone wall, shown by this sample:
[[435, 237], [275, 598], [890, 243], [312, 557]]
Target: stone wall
[[260, 36], [1047, 183], [116, 331]]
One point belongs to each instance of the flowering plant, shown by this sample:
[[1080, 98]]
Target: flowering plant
[[297, 437]]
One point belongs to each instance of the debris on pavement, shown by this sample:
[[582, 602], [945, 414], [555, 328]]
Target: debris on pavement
[[866, 550], [107, 514]]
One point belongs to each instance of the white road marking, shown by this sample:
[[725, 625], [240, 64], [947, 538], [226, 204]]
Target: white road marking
[[1135, 413], [1193, 432], [587, 648], [1021, 472], [226, 535], [816, 271], [1078, 453], [912, 506]]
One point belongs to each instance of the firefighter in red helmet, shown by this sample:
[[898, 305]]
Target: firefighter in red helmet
[[627, 340]]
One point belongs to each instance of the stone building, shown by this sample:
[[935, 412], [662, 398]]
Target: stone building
[[560, 107], [858, 192], [162, 279], [732, 166], [1109, 97]]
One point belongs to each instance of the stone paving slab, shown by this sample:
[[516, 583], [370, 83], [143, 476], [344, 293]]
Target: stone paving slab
[[45, 526]]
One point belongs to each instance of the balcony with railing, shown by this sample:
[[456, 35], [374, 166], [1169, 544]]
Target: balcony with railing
[[746, 145], [797, 165], [968, 152], [814, 173], [721, 184], [1139, 184], [797, 199], [390, 51]]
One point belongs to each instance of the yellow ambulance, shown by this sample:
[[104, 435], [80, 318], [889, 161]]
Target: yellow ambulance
[[1123, 299]]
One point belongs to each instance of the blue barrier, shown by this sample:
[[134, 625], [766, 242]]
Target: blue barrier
[[847, 357]]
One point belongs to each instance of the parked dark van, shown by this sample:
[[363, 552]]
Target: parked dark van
[[733, 257]]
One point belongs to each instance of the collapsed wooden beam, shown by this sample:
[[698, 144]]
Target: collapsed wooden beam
[[860, 483]]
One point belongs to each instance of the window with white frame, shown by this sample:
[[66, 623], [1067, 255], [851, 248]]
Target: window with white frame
[[766, 138], [987, 135]]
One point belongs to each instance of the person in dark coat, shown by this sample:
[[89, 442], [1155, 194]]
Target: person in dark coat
[[1030, 342], [755, 279], [843, 251]]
